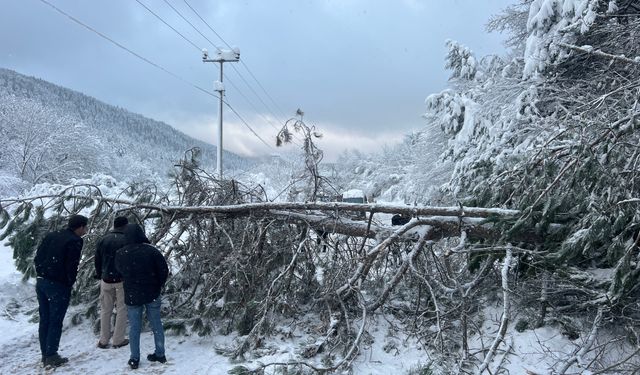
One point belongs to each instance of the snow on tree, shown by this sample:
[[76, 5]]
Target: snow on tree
[[461, 61], [555, 135], [35, 114], [43, 144], [540, 151], [551, 22]]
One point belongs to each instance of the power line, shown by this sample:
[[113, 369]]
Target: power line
[[263, 89], [172, 28], [242, 62], [205, 22], [252, 90], [247, 125], [187, 21], [193, 44], [244, 80], [155, 65], [234, 68], [229, 46], [257, 111], [127, 49], [198, 48]]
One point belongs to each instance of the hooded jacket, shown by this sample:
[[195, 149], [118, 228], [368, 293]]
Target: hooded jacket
[[58, 256], [143, 268], [106, 254]]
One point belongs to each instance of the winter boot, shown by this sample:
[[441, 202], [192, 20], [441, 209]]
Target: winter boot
[[134, 363], [154, 358], [123, 343], [55, 361], [102, 346]]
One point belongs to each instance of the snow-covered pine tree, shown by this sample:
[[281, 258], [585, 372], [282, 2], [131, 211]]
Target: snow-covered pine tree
[[552, 131]]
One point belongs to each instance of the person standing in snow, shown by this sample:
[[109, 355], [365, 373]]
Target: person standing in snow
[[144, 272], [56, 264], [111, 290]]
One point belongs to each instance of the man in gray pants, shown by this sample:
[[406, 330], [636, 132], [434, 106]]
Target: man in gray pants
[[111, 289]]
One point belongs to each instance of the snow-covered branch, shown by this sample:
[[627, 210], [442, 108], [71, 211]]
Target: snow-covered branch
[[584, 349], [247, 208], [596, 52], [505, 313], [408, 259]]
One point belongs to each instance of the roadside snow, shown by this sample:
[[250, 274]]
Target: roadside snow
[[387, 350], [20, 352]]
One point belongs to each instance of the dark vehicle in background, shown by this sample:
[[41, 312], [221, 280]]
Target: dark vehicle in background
[[354, 196]]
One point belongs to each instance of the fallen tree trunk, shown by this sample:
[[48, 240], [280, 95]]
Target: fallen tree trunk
[[252, 208], [325, 216], [443, 227]]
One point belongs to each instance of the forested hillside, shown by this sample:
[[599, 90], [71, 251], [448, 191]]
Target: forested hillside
[[50, 133]]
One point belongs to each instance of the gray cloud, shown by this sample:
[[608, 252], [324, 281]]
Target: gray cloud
[[359, 67]]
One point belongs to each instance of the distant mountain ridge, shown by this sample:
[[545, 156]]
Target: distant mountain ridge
[[111, 140]]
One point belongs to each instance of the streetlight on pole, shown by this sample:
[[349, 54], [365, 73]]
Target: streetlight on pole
[[221, 57]]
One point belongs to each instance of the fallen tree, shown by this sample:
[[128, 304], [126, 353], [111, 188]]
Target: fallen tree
[[244, 267]]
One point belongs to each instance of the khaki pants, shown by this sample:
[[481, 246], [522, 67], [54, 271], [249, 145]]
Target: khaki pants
[[112, 295]]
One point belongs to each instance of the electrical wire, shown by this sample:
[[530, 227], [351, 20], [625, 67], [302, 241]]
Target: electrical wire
[[166, 23], [187, 21], [259, 112], [246, 82], [241, 61], [198, 48], [193, 44], [247, 125], [155, 65], [128, 50], [227, 44], [266, 119], [205, 22]]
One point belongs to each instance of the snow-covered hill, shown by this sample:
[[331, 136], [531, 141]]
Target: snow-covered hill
[[52, 133]]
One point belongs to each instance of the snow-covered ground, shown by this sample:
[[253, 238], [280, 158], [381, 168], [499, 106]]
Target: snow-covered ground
[[386, 351], [20, 354]]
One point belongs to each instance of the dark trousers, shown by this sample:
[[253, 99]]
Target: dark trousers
[[53, 300]]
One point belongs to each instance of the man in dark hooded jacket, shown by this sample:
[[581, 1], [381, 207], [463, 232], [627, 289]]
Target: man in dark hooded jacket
[[144, 272], [56, 263], [111, 289]]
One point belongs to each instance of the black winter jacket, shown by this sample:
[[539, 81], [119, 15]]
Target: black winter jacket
[[58, 256], [143, 268], [106, 254]]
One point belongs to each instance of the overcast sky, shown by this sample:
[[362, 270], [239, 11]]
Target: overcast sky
[[359, 69]]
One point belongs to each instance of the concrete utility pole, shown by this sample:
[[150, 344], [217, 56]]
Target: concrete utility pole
[[221, 57]]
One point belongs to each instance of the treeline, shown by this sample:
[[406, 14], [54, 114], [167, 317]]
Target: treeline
[[39, 121]]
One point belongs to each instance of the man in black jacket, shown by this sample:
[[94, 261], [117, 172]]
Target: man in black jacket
[[56, 262], [111, 290], [144, 272]]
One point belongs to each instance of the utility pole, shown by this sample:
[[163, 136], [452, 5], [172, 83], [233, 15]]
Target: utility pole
[[221, 57]]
